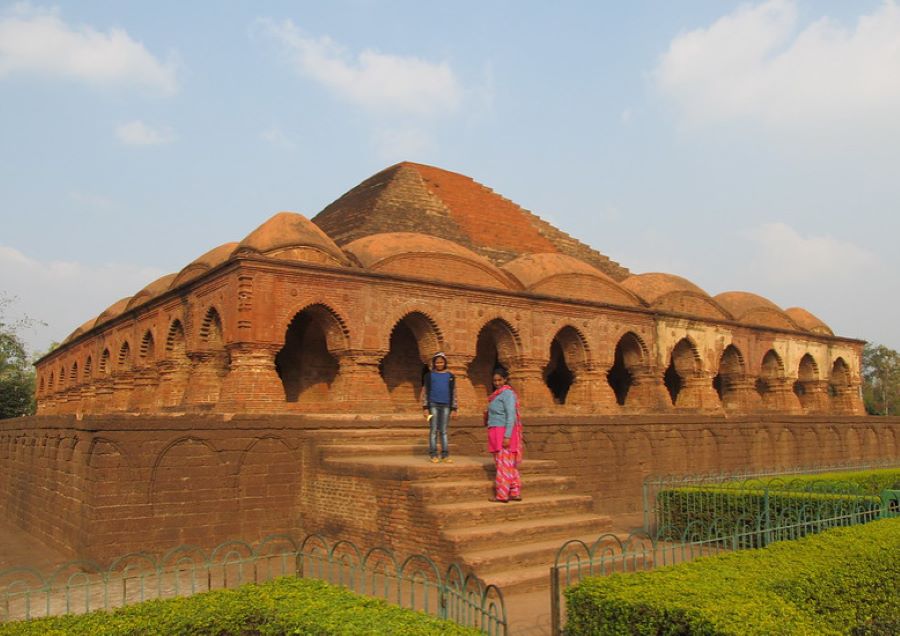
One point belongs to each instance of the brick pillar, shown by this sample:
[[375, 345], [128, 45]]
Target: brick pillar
[[252, 383], [469, 398], [847, 401], [104, 393], [88, 398], [123, 385], [647, 392], [815, 396], [527, 378], [143, 397], [359, 386], [208, 369], [779, 396], [739, 395], [591, 391], [697, 393], [173, 379]]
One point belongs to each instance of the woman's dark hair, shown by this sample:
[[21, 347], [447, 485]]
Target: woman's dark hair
[[502, 372]]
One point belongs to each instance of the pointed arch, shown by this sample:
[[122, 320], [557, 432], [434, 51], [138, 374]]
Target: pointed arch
[[569, 349], [73, 374], [147, 351], [104, 362], [176, 344], [631, 356], [732, 370], [413, 340], [211, 332], [497, 344], [88, 367], [306, 363], [123, 360], [684, 362]]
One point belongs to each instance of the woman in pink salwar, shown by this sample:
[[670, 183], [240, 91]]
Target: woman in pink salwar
[[505, 438]]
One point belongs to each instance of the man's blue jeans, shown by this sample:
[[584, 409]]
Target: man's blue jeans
[[440, 419]]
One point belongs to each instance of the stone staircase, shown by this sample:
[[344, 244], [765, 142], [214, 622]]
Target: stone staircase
[[510, 545]]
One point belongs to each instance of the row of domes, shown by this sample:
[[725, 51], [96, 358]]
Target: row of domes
[[293, 237]]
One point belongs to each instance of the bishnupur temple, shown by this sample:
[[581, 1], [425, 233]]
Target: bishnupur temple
[[341, 312], [272, 385]]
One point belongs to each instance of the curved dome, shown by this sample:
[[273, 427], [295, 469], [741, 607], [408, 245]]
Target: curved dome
[[652, 286], [755, 310], [429, 257], [152, 290], [204, 263], [808, 321], [566, 276], [292, 236], [667, 292], [113, 310], [82, 329]]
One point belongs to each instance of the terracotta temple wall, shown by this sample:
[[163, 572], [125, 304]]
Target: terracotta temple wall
[[103, 486]]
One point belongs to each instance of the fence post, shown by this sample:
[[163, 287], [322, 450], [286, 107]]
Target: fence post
[[646, 496], [555, 618], [767, 524]]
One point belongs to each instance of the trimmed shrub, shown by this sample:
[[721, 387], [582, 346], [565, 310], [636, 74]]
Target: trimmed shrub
[[843, 581], [283, 606], [717, 510]]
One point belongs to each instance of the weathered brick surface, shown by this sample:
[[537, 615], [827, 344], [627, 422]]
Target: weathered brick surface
[[102, 486]]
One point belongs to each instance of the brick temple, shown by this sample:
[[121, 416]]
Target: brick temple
[[271, 386]]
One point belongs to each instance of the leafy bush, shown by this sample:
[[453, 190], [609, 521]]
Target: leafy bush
[[843, 581], [283, 606], [718, 510]]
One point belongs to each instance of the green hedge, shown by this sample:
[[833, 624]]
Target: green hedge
[[860, 482], [694, 513], [283, 606], [843, 581], [770, 503]]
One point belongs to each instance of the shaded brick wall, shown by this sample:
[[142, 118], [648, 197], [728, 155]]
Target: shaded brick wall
[[101, 487]]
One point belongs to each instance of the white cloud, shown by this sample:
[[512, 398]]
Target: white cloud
[[137, 133], [37, 40], [785, 257], [275, 136], [377, 81], [65, 294], [758, 64]]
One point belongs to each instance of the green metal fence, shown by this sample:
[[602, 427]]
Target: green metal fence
[[415, 582], [688, 517]]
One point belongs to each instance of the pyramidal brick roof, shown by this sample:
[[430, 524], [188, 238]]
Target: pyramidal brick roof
[[412, 197]]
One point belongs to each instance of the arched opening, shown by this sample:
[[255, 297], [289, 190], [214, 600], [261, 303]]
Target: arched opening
[[840, 376], [62, 376], [413, 340], [840, 387], [73, 374], [496, 346], [176, 346], [124, 359], [683, 364], [50, 383], [174, 368], [807, 373], [305, 363], [771, 376], [88, 364], [731, 370], [628, 359], [146, 350], [104, 362], [567, 350]]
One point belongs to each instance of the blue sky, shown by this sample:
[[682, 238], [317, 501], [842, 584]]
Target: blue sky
[[744, 146]]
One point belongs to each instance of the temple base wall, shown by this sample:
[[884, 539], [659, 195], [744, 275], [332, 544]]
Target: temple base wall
[[103, 486]]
